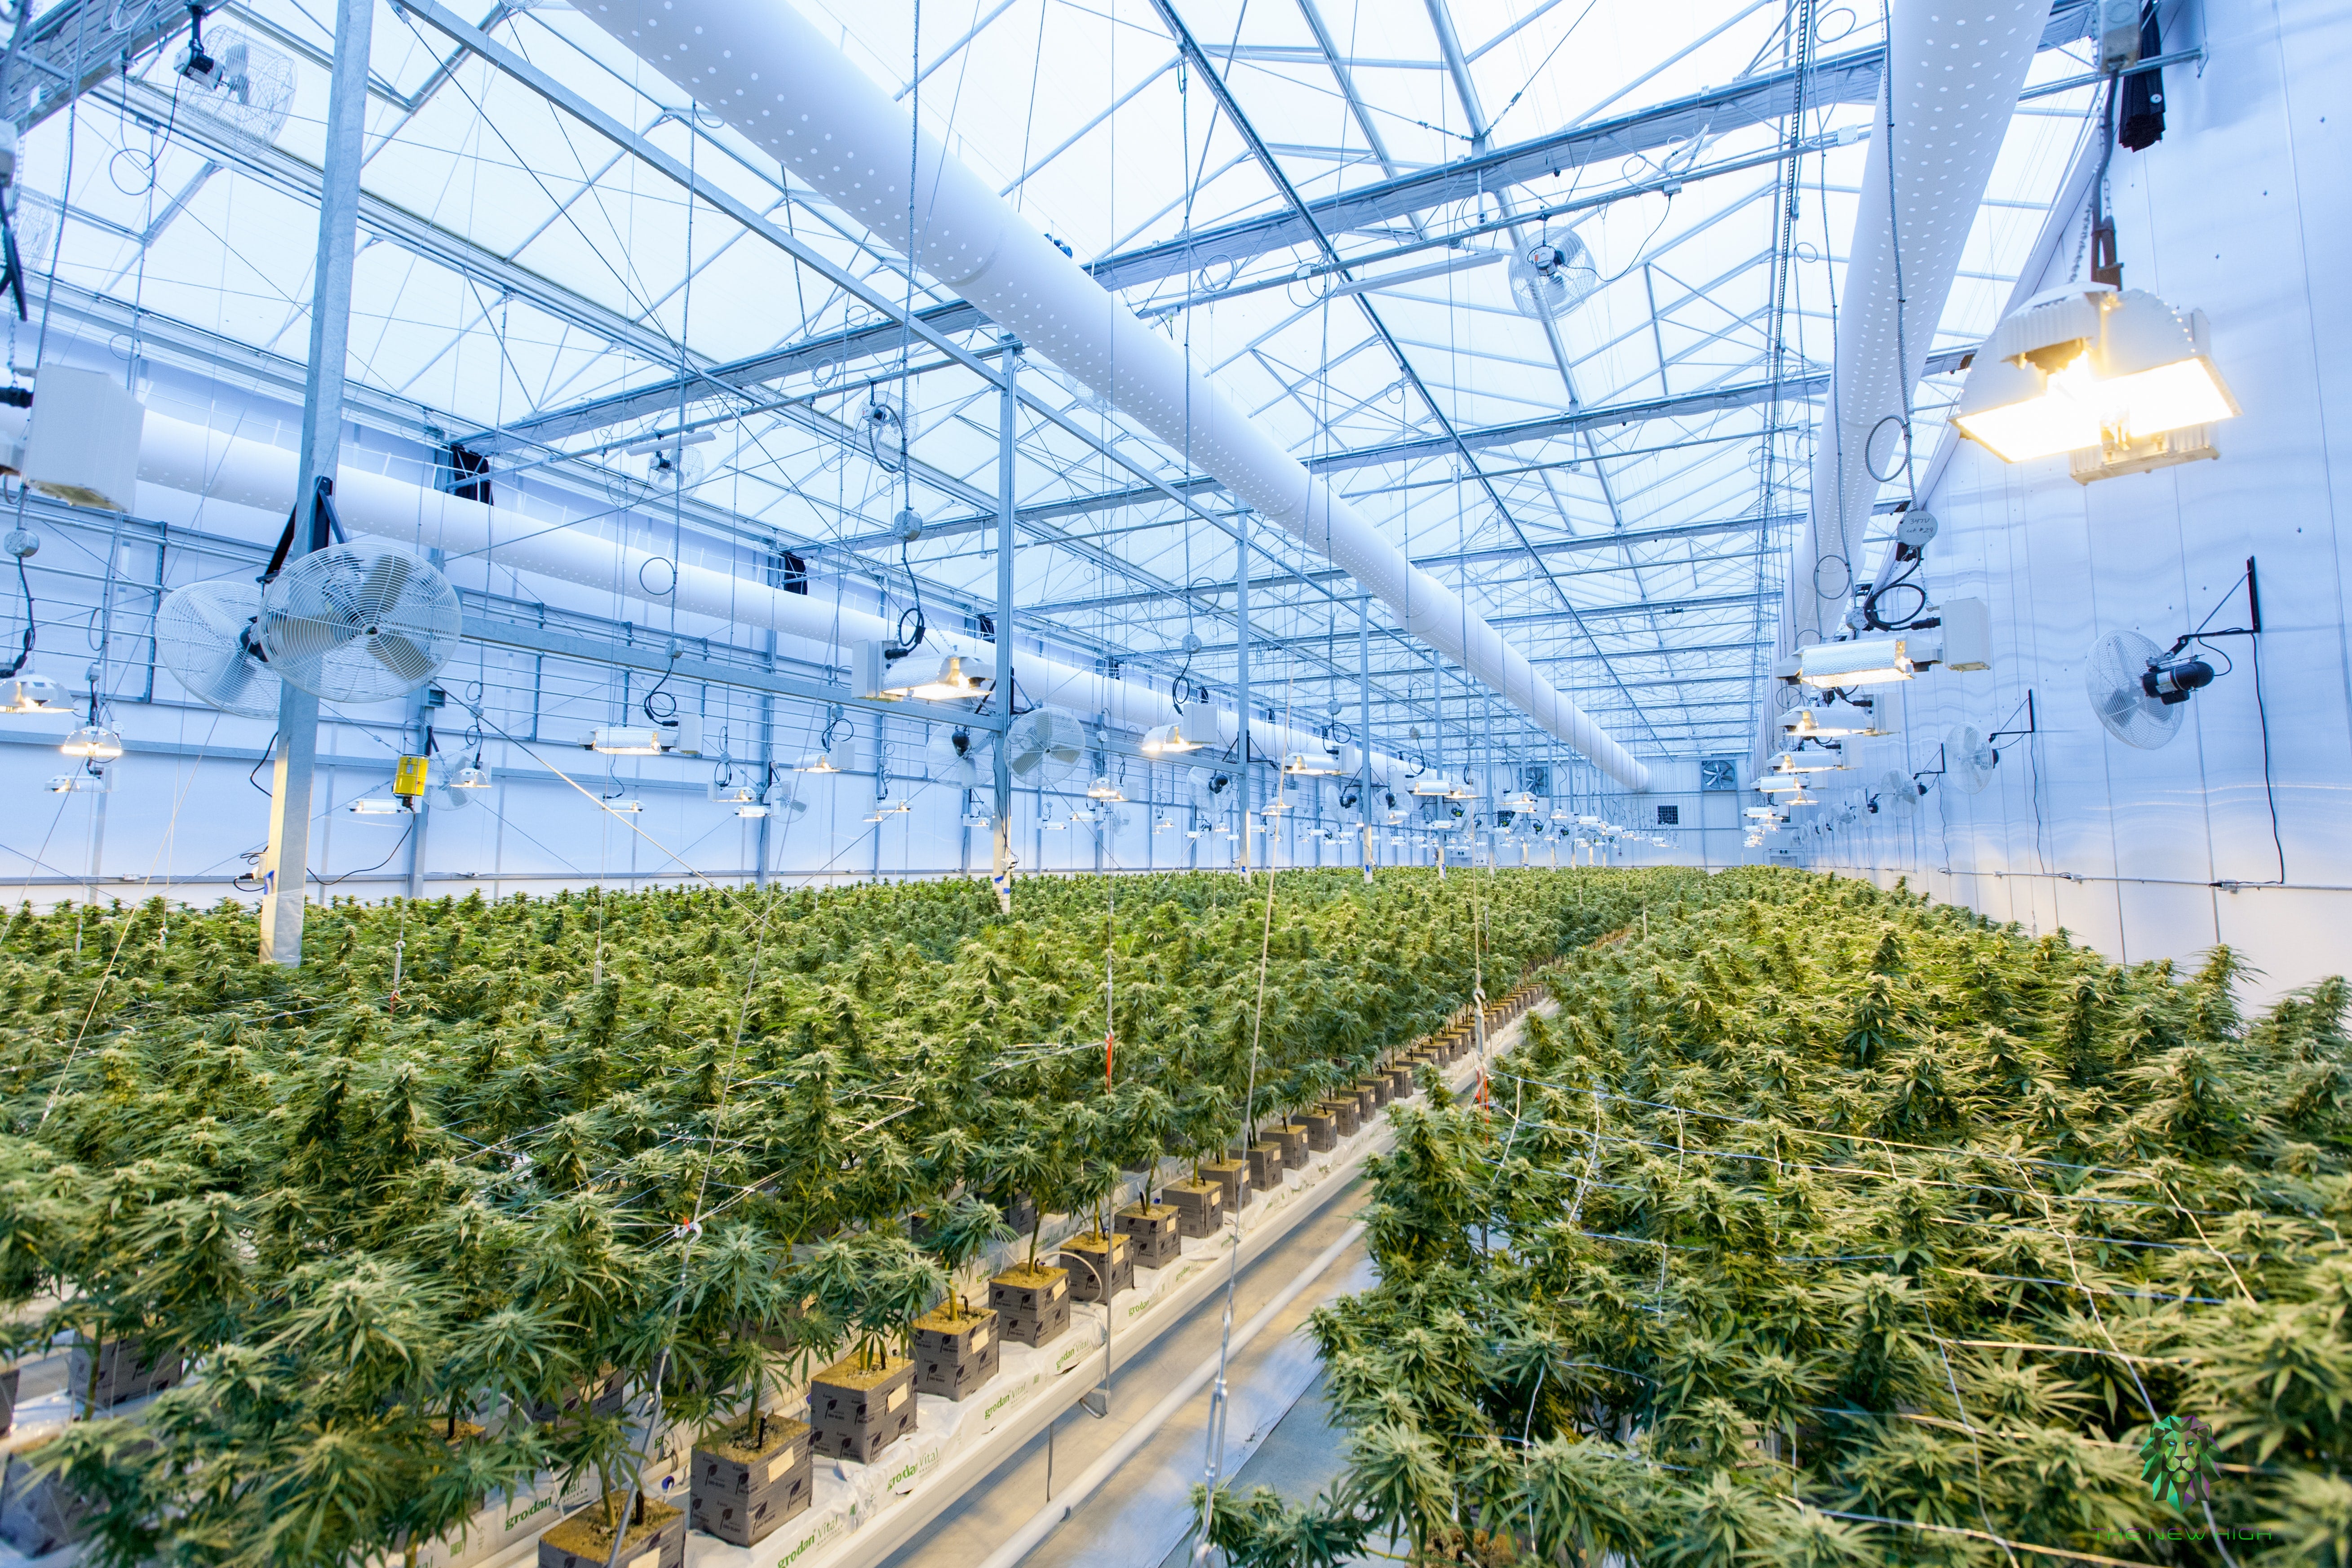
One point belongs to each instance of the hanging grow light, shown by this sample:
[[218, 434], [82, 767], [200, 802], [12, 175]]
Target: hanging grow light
[[1807, 763], [1051, 825], [734, 794], [977, 819], [30, 694], [835, 761], [472, 776], [1311, 765], [1193, 729], [1833, 720], [2095, 367], [958, 679], [92, 780], [626, 805], [1103, 789], [1862, 661], [1163, 825], [379, 805], [625, 740], [1431, 787], [1523, 801], [753, 808], [94, 742]]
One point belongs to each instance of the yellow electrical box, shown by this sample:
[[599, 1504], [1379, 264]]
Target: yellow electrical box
[[408, 777]]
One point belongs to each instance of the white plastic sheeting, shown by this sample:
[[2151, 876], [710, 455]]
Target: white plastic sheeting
[[778, 82], [181, 455]]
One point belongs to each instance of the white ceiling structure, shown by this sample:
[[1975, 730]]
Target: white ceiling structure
[[1317, 201]]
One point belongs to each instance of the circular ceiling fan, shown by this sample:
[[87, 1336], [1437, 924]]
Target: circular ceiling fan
[[1552, 275], [359, 623], [207, 635]]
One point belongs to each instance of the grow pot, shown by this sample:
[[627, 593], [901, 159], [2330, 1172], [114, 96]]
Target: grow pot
[[39, 1512], [126, 1370], [1233, 1176], [745, 1485], [1347, 1114], [655, 1540], [1099, 1266], [1200, 1206], [1291, 1138], [1034, 1303], [1265, 1165], [956, 1352], [857, 1410], [1155, 1236], [605, 1396], [1322, 1131]]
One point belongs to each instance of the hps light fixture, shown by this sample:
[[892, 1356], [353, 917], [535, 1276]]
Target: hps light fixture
[[1310, 764], [2115, 375], [29, 694], [1831, 720], [1193, 729], [958, 679], [625, 740], [93, 740], [1103, 789]]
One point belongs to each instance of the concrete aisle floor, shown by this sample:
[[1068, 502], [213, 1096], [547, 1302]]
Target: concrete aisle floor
[[1144, 1512], [1298, 1458]]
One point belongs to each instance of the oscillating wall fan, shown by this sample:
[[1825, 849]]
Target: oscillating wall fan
[[1553, 275], [2136, 694], [1040, 738], [1969, 759], [1899, 791], [207, 635], [356, 623]]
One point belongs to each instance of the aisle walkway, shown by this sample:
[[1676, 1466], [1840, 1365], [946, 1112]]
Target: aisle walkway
[[1143, 1513]]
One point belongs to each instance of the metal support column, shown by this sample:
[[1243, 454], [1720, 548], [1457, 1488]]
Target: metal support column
[[420, 735], [767, 762], [1364, 727], [1241, 682], [286, 866], [1002, 860]]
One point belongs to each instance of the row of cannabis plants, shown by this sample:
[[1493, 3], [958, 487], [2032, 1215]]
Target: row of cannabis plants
[[1823, 1225], [452, 1205]]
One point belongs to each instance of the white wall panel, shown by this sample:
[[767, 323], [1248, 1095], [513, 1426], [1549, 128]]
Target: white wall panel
[[2244, 209]]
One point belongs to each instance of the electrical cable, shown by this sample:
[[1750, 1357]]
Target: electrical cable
[[25, 652]]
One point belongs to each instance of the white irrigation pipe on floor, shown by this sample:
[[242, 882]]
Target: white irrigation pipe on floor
[[1041, 1524]]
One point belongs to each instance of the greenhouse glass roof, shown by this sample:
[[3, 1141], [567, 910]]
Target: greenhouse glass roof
[[1321, 201]]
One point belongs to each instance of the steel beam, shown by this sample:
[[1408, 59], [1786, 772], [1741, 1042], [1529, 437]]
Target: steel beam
[[1849, 78], [286, 861], [1213, 592]]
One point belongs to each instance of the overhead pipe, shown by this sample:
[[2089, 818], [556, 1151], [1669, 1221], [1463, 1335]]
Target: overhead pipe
[[1953, 68], [785, 86], [178, 454]]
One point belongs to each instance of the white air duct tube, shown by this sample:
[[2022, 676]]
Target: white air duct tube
[[177, 455], [781, 83], [1953, 72]]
